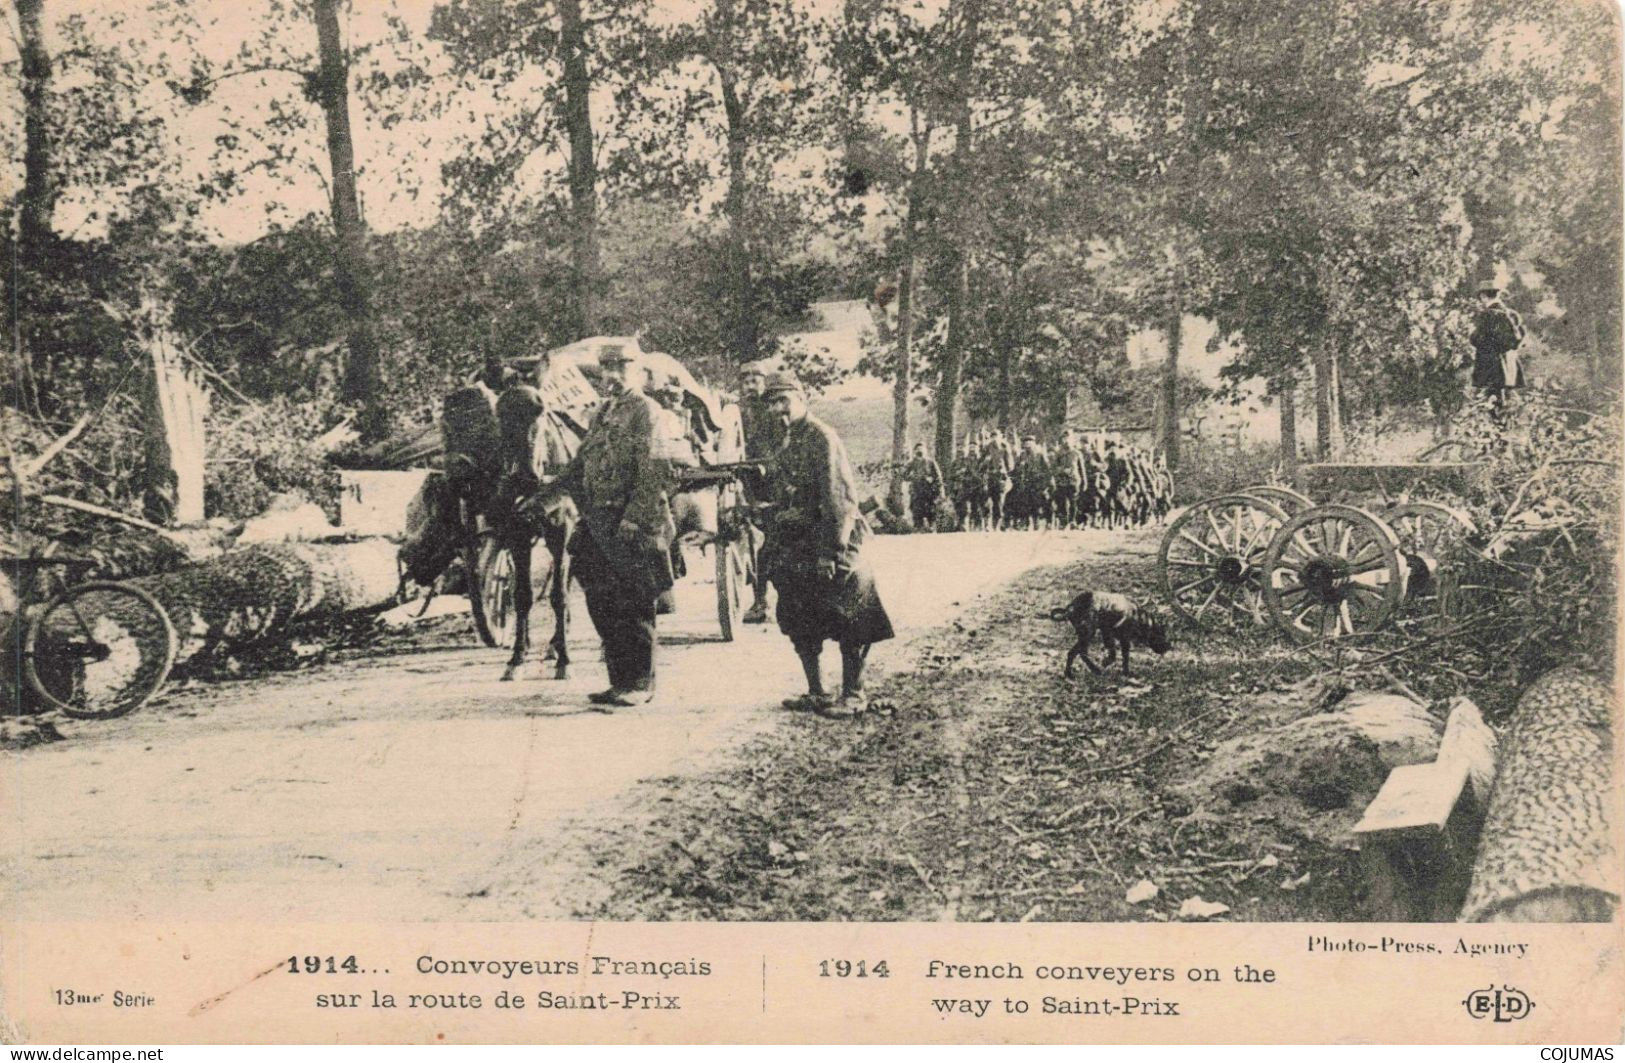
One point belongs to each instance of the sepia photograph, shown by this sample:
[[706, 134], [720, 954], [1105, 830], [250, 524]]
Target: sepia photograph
[[812, 461]]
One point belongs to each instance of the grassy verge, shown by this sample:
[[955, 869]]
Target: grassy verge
[[991, 789]]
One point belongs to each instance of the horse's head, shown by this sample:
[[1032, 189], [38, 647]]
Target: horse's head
[[433, 530], [519, 413]]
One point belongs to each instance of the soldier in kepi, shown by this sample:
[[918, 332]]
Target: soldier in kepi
[[814, 552], [622, 547], [763, 433]]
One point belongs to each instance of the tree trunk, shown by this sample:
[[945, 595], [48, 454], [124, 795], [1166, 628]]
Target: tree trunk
[[351, 272], [1288, 399], [37, 203], [1006, 357], [1170, 377], [953, 354], [1328, 418], [1547, 851], [903, 384], [747, 319], [583, 167], [259, 591]]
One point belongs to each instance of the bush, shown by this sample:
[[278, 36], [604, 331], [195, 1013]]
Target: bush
[[1208, 467], [261, 450]]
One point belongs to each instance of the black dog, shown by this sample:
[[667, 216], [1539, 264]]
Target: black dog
[[1119, 622]]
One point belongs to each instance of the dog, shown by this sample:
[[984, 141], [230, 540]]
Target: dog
[[1117, 619]]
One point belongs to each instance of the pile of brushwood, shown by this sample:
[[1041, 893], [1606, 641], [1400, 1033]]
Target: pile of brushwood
[[1535, 586]]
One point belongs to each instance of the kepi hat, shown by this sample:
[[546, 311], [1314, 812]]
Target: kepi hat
[[780, 382]]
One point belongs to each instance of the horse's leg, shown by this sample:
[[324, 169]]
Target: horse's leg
[[520, 546], [559, 596]]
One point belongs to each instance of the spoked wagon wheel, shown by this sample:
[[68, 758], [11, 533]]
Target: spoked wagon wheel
[[1430, 536], [1211, 558], [1332, 572], [735, 560], [1290, 501], [99, 650], [733, 585], [490, 590]]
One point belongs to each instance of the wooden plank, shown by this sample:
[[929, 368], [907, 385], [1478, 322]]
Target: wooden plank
[[1415, 797]]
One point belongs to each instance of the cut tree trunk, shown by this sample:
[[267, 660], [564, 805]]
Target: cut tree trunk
[[1547, 852], [175, 407], [256, 592]]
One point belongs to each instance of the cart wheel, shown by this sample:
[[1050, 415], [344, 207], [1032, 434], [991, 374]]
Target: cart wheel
[[733, 584], [1211, 557], [490, 590], [1331, 572], [1430, 537], [1292, 502], [99, 650]]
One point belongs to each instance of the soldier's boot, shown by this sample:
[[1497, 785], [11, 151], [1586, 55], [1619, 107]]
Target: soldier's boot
[[852, 700], [815, 699]]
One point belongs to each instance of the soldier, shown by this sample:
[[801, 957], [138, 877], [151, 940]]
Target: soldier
[[1117, 475], [1030, 485], [814, 553], [622, 547], [1067, 466], [677, 440], [995, 480], [1497, 333], [969, 491], [762, 438], [1165, 487], [763, 434], [924, 478]]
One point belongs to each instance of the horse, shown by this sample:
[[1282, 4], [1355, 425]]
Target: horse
[[496, 493], [535, 444], [517, 501]]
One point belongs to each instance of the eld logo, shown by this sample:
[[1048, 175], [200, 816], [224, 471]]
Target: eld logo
[[1502, 1005]]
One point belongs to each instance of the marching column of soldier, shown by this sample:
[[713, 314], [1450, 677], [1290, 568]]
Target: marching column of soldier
[[999, 481]]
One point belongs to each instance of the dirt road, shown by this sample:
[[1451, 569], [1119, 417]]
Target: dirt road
[[420, 787]]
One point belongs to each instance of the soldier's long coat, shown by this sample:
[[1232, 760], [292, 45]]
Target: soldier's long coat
[[816, 518], [1497, 332], [618, 476]]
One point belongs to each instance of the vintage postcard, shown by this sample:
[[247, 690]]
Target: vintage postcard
[[811, 520]]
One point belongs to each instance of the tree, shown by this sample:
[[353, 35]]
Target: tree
[[96, 207], [759, 55], [299, 45], [886, 59], [536, 66], [1367, 161], [352, 272]]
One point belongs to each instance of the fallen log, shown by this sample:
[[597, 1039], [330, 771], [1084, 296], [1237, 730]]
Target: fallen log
[[255, 592], [1546, 853]]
